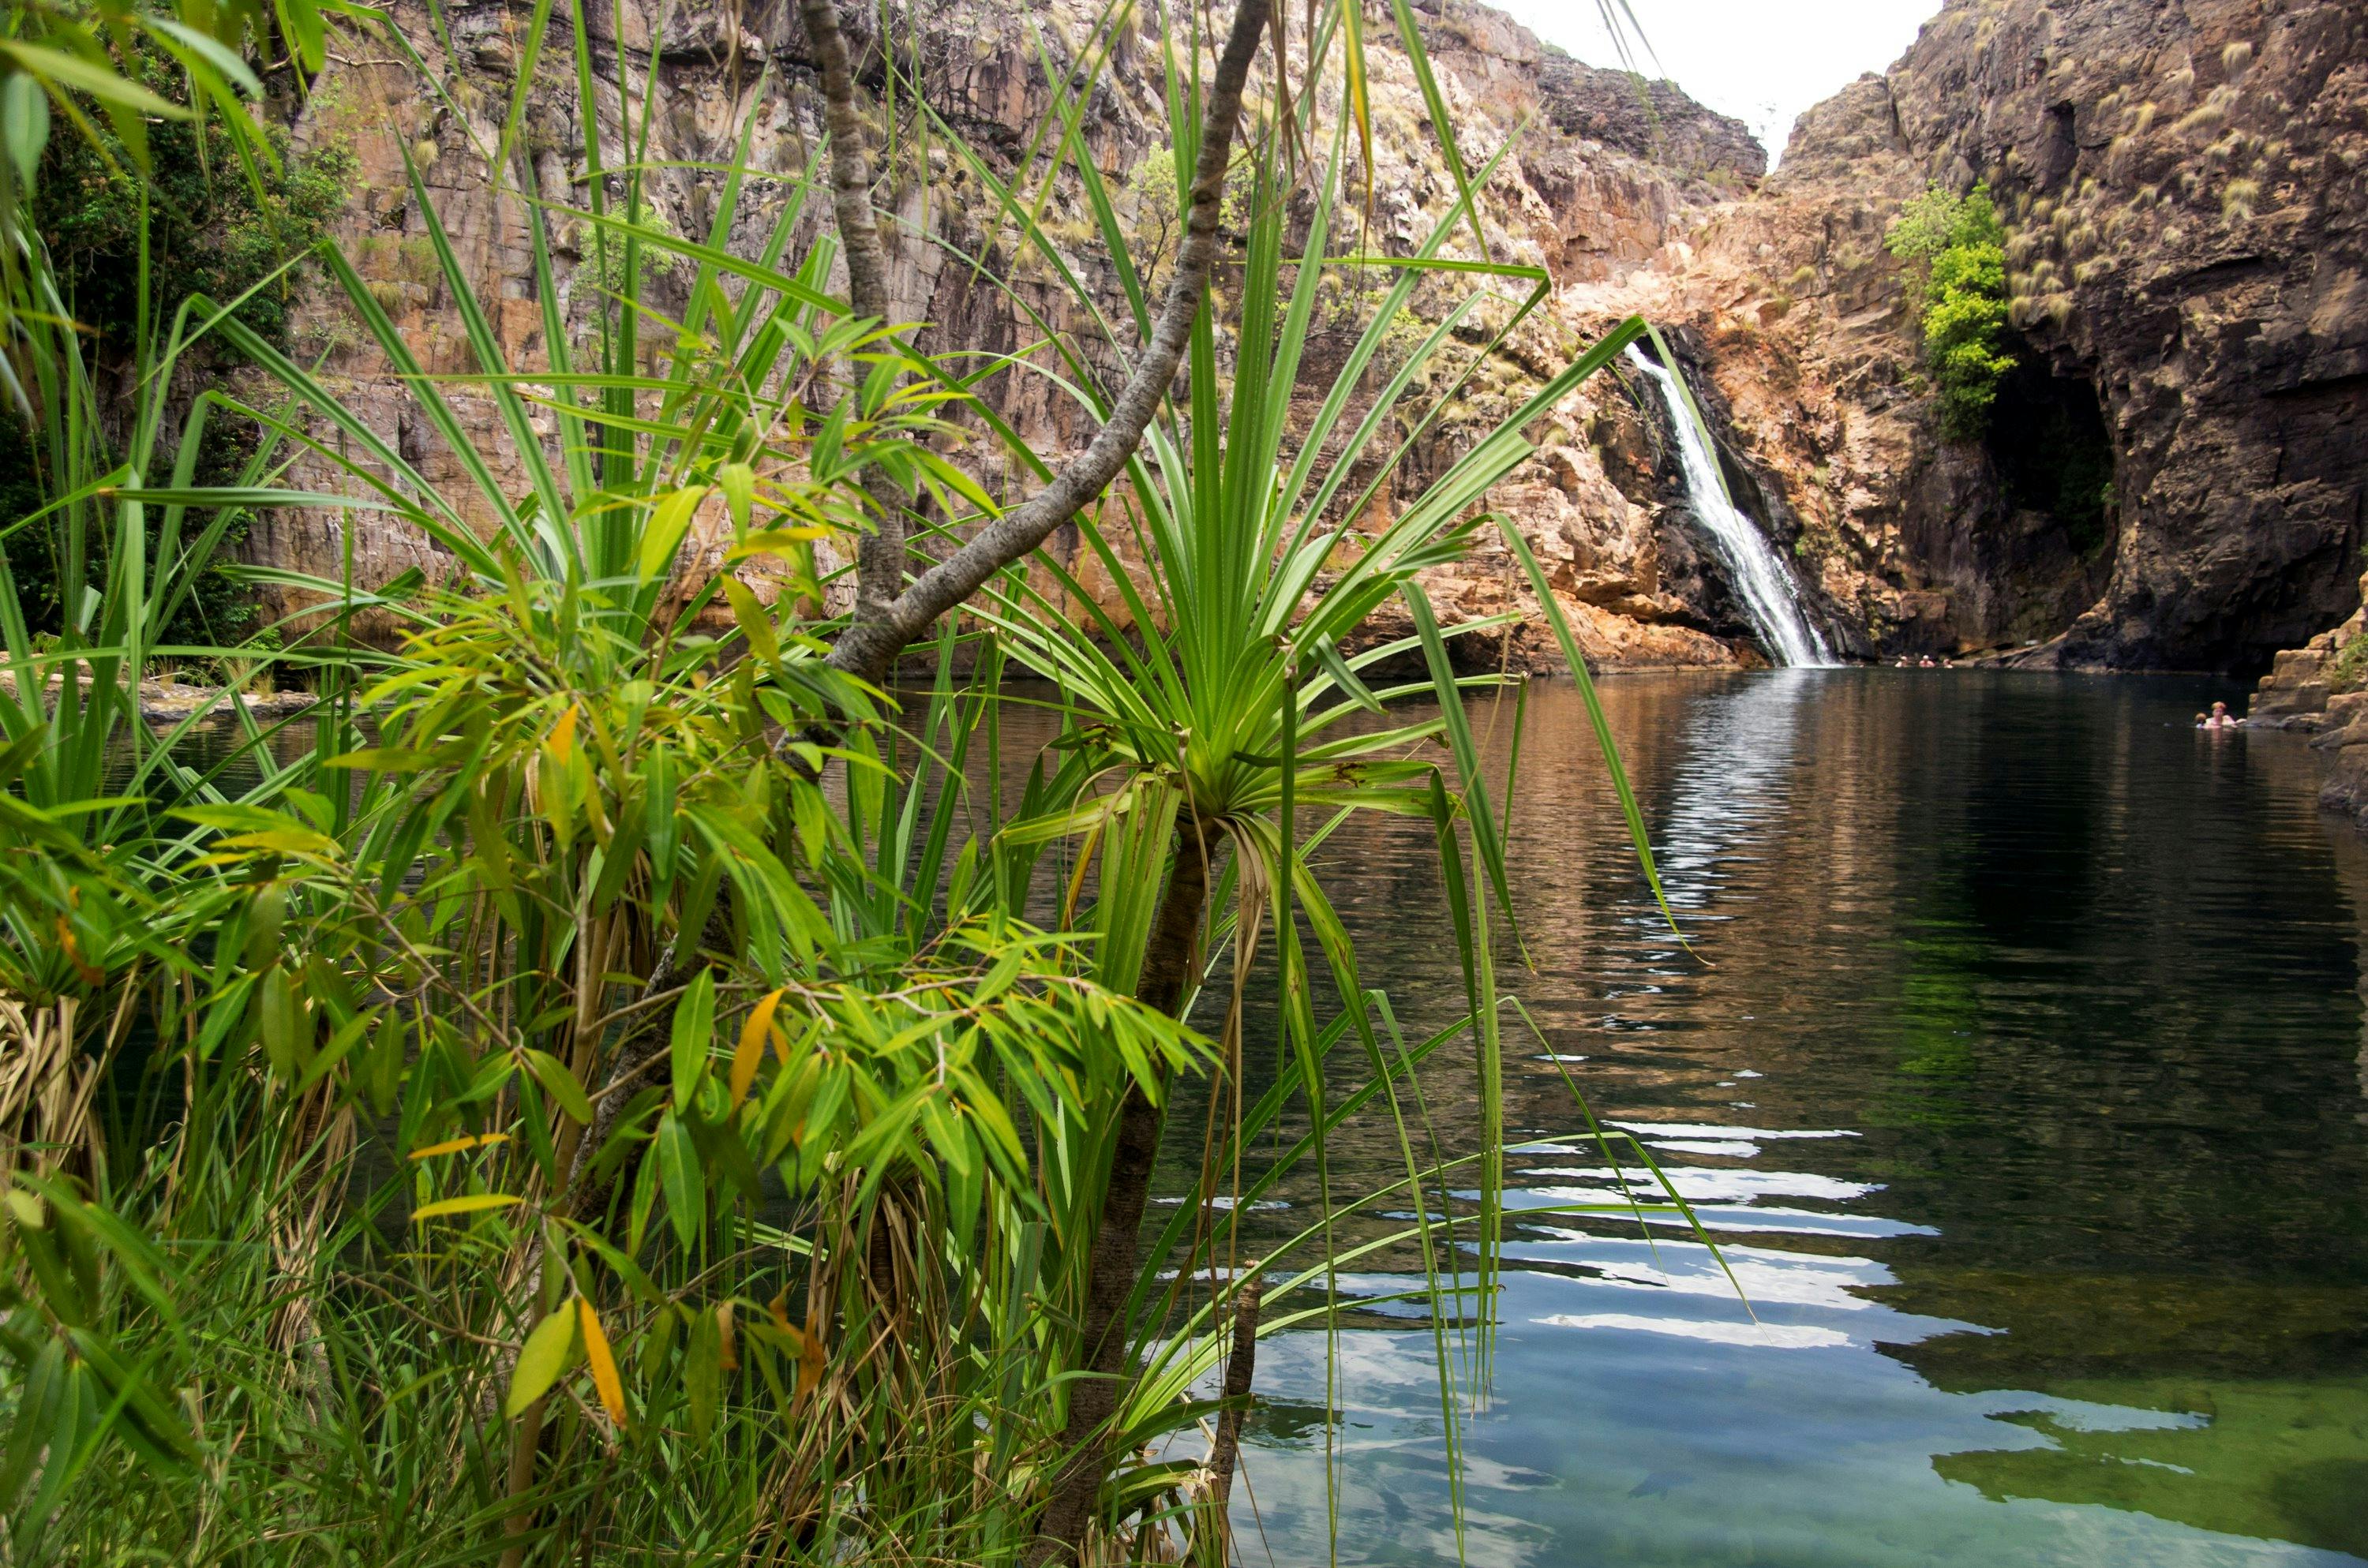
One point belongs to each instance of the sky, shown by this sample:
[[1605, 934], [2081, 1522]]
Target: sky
[[1761, 61]]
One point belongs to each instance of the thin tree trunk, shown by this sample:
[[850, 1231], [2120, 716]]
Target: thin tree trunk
[[879, 555], [524, 1444], [576, 1192], [1241, 1367], [879, 632], [1093, 1398], [850, 166]]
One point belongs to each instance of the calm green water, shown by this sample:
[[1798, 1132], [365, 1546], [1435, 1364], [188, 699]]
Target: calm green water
[[2018, 1068], [2021, 1076]]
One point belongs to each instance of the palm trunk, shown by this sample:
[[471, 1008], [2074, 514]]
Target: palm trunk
[[1093, 1399]]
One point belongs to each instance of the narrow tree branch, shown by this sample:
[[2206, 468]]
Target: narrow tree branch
[[869, 646], [850, 167], [880, 555]]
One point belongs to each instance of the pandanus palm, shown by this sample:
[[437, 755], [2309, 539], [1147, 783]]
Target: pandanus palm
[[1218, 694]]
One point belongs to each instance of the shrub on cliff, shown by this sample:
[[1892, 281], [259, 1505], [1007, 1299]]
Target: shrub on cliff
[[127, 239], [213, 229], [1956, 251]]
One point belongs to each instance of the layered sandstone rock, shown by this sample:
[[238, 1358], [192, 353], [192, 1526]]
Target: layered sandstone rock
[[2174, 480], [2186, 191], [2321, 689], [1604, 181], [2318, 686]]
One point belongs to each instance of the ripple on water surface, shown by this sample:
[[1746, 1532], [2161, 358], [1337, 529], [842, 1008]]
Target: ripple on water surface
[[2016, 1070]]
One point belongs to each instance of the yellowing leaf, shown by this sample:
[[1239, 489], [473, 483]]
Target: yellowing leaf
[[471, 1204], [604, 1365], [385, 759], [751, 1048], [283, 841], [810, 1361], [563, 736], [544, 1355], [728, 1351], [453, 1145]]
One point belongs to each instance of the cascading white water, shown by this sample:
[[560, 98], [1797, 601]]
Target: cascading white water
[[1771, 596]]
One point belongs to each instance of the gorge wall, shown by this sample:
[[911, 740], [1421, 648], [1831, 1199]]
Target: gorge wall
[[2184, 185]]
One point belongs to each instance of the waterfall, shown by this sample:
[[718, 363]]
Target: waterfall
[[1770, 598]]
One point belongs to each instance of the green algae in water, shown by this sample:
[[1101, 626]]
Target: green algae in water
[[2273, 1460], [2262, 1388]]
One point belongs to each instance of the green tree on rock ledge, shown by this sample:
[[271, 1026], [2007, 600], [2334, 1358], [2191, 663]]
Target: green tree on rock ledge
[[1955, 246]]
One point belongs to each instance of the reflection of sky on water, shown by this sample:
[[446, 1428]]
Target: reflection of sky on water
[[1640, 1459], [2033, 1206], [1640, 1408], [1699, 1185]]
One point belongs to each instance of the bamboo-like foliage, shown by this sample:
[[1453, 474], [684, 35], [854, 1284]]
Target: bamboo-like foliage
[[627, 1085]]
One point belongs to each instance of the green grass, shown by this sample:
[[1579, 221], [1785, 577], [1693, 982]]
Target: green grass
[[612, 1084]]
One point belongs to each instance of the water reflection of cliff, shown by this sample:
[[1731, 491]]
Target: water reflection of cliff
[[2236, 1218], [2085, 985]]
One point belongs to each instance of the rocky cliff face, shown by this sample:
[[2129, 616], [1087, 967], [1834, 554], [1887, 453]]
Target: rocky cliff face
[[2185, 184], [1604, 181], [2175, 480]]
